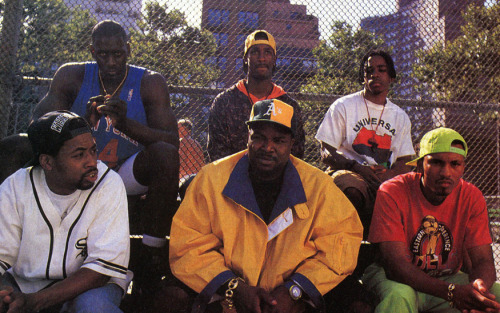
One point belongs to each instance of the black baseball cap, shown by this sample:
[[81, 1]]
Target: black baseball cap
[[49, 133]]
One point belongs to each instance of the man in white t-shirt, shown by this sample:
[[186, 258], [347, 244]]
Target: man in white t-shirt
[[365, 138]]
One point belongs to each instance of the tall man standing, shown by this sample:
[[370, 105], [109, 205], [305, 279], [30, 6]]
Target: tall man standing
[[135, 131], [423, 224], [64, 225], [227, 131], [365, 138], [262, 230]]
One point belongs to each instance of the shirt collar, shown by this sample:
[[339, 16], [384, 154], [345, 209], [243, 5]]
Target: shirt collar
[[239, 189]]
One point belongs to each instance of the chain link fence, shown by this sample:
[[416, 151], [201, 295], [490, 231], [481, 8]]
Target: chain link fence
[[446, 55]]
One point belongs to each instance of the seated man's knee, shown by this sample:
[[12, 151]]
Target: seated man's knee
[[356, 197], [158, 160], [359, 201], [162, 155], [495, 289], [102, 299], [399, 298]]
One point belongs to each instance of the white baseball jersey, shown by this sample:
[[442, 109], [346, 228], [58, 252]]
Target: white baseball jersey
[[366, 132], [39, 248]]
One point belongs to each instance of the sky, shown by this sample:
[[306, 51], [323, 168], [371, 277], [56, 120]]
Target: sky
[[327, 11], [350, 11]]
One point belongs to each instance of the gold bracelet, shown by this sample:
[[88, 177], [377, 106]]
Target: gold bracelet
[[451, 287], [231, 286]]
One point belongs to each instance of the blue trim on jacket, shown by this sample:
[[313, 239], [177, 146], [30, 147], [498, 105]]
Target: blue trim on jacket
[[308, 287], [204, 297], [239, 189]]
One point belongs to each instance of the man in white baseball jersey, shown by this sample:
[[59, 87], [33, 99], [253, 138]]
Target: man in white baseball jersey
[[64, 225]]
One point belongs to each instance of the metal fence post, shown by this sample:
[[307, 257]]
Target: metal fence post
[[9, 39]]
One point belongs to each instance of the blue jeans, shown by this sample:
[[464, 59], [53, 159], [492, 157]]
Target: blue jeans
[[103, 299]]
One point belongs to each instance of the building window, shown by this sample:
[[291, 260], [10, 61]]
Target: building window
[[238, 64], [309, 64], [218, 17], [222, 62], [248, 19], [221, 39], [211, 61], [283, 62], [240, 40]]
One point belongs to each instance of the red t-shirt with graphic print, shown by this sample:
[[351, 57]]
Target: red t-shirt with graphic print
[[434, 234]]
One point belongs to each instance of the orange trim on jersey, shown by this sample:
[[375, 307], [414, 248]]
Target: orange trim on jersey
[[277, 91]]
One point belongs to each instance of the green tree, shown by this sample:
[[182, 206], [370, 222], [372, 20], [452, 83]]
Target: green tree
[[338, 60], [52, 34], [467, 69], [165, 43]]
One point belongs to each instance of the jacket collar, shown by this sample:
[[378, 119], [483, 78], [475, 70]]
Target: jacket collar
[[239, 189]]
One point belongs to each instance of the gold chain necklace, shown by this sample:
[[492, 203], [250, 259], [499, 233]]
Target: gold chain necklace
[[108, 96], [372, 140]]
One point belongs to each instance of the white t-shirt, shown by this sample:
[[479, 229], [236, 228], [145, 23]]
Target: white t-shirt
[[62, 203], [368, 133]]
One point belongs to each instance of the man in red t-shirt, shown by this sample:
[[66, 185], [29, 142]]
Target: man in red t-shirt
[[423, 224]]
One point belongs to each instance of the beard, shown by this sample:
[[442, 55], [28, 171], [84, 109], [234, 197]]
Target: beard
[[84, 185]]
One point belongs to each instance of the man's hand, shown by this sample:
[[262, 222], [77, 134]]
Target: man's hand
[[92, 115], [475, 297], [253, 299], [369, 173], [5, 297], [14, 301], [285, 303], [116, 110]]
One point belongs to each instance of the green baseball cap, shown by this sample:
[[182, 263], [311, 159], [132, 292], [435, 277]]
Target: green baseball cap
[[439, 140]]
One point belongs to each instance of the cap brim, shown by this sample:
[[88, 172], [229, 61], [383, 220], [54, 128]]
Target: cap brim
[[414, 162], [31, 162], [268, 121]]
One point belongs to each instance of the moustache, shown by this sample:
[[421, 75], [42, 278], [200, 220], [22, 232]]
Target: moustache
[[264, 155], [94, 169], [448, 181]]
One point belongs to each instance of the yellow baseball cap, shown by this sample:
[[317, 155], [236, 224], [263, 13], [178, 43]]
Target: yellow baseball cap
[[251, 41], [439, 140], [273, 111]]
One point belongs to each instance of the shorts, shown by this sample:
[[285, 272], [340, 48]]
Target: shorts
[[346, 179], [126, 172]]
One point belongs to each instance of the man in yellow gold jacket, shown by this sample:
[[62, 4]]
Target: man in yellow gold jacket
[[261, 230]]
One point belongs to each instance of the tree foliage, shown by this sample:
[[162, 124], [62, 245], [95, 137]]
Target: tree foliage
[[51, 35], [167, 44], [338, 60], [467, 69]]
